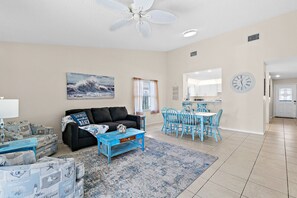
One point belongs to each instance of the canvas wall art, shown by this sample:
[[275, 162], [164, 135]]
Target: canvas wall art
[[86, 86]]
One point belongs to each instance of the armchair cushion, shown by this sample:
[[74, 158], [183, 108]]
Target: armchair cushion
[[118, 113], [17, 158], [101, 115]]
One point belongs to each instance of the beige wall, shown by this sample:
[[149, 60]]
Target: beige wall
[[231, 51], [36, 74]]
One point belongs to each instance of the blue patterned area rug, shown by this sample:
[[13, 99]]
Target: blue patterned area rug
[[162, 170]]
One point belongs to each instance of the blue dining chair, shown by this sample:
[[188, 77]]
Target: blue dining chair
[[163, 111], [189, 123], [186, 103], [202, 108], [172, 121], [213, 127], [188, 108]]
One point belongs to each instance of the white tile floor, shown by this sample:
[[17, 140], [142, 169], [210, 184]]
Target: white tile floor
[[248, 166]]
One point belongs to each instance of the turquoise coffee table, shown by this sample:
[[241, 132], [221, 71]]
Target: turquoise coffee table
[[115, 143], [19, 145]]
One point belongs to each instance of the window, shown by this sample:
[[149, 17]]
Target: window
[[146, 101], [285, 95], [146, 96]]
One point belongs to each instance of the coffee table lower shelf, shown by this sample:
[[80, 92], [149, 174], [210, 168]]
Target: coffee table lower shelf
[[120, 149]]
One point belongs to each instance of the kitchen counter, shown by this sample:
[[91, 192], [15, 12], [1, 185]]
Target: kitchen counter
[[206, 101]]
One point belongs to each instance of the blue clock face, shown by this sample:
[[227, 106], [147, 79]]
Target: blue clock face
[[243, 82]]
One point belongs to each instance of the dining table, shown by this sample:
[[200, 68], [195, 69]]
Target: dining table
[[203, 116]]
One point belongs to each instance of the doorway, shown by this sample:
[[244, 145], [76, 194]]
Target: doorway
[[285, 100], [281, 85]]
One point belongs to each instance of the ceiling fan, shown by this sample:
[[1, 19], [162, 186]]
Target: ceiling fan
[[138, 12]]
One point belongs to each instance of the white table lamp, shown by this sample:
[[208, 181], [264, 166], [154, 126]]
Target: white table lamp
[[9, 108]]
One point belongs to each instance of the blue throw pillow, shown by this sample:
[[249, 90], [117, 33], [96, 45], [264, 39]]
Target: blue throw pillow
[[80, 118]]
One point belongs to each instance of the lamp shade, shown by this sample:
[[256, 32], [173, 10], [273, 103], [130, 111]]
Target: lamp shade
[[9, 108]]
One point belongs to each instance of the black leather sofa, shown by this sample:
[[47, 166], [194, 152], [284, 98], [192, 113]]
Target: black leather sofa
[[77, 138]]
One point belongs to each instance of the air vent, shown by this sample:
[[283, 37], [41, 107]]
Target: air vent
[[253, 37], [193, 53]]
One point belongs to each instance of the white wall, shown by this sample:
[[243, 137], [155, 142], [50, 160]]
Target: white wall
[[271, 100], [36, 74], [231, 52], [285, 81]]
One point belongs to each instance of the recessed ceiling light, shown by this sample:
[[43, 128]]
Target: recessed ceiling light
[[190, 33], [196, 72], [277, 76], [209, 70]]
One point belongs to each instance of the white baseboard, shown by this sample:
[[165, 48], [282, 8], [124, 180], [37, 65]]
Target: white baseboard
[[242, 131]]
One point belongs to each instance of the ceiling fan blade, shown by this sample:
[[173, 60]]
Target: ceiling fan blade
[[114, 5], [144, 28], [120, 23], [143, 5], [160, 17]]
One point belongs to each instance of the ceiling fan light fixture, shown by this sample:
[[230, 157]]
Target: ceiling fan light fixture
[[140, 12], [136, 16], [189, 33]]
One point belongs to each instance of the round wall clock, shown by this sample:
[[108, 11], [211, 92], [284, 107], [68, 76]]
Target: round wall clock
[[243, 82]]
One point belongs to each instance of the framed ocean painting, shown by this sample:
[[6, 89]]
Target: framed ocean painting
[[87, 86]]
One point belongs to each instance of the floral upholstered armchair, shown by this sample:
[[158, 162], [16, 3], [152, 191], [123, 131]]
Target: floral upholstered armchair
[[22, 176], [47, 140]]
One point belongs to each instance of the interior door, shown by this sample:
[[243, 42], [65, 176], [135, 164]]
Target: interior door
[[285, 101]]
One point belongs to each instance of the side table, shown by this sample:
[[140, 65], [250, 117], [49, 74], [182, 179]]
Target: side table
[[142, 122], [19, 145]]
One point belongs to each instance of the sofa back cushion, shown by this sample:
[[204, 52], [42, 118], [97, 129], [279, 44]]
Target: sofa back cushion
[[118, 113], [88, 112], [101, 115]]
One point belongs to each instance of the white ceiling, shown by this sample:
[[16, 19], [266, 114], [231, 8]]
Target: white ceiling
[[85, 23], [285, 68]]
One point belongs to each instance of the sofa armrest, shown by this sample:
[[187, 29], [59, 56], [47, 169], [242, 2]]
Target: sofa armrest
[[135, 118], [70, 136]]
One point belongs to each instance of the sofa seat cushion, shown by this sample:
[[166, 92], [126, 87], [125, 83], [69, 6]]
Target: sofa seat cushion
[[128, 123], [118, 113], [88, 112], [112, 125], [101, 115]]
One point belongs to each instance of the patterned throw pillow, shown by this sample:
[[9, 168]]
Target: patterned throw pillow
[[95, 129], [80, 118]]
